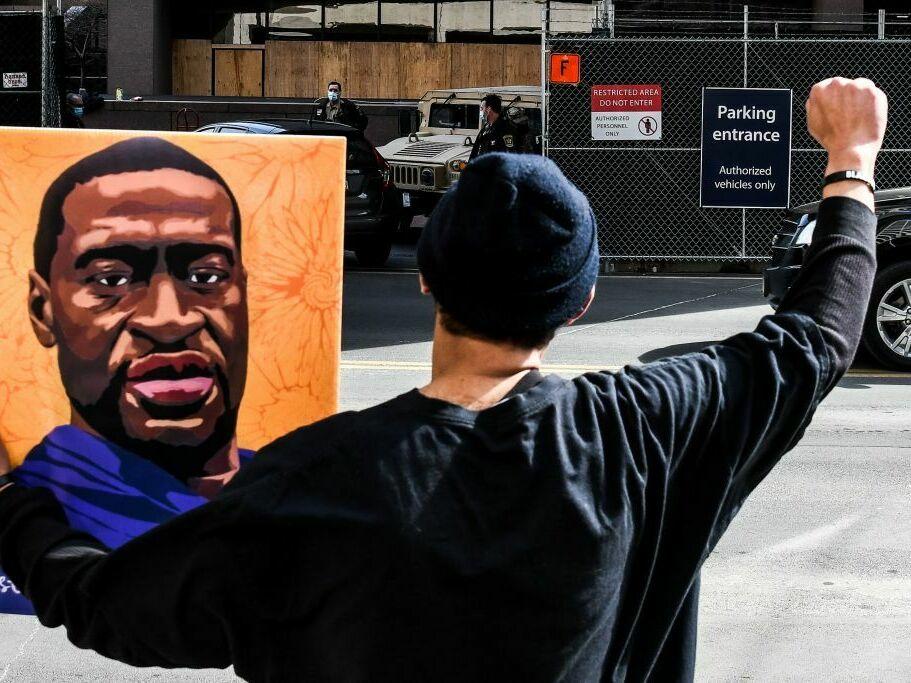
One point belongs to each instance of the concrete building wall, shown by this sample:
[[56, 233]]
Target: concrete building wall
[[139, 47]]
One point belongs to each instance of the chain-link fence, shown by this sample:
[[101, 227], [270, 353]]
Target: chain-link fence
[[645, 194], [30, 58], [21, 69]]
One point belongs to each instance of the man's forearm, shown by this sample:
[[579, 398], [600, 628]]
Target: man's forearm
[[103, 597], [835, 281], [32, 523]]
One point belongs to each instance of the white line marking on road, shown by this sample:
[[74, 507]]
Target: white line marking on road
[[812, 538], [21, 653]]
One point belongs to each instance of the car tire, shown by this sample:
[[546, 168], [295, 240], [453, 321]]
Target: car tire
[[373, 254], [887, 336]]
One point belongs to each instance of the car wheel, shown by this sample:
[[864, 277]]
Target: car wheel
[[373, 254], [887, 329]]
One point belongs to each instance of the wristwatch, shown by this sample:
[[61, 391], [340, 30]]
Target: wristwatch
[[849, 175]]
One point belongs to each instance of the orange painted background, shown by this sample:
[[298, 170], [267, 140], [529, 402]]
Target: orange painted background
[[291, 196]]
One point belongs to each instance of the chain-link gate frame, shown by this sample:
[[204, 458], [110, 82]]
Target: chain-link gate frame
[[645, 194], [31, 43]]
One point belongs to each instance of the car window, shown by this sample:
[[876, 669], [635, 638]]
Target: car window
[[207, 129], [454, 116], [233, 129], [360, 153]]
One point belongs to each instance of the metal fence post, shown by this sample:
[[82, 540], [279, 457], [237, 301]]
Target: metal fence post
[[881, 24], [545, 105], [45, 84], [746, 52]]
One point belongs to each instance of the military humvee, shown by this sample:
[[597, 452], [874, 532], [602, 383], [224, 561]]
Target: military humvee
[[429, 161]]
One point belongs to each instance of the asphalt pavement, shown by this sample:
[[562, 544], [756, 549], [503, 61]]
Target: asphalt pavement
[[812, 581]]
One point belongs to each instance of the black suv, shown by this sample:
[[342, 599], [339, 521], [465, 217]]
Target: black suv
[[887, 328], [372, 203]]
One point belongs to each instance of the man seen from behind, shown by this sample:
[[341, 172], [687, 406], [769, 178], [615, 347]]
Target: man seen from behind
[[497, 524]]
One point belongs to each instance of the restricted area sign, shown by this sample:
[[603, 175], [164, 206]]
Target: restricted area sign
[[626, 112], [565, 68], [746, 148]]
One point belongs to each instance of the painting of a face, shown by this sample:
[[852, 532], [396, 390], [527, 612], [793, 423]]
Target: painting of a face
[[146, 305], [174, 296]]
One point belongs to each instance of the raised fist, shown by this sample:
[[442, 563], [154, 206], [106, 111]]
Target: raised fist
[[848, 118]]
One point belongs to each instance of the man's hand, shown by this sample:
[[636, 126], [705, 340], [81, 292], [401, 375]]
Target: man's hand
[[848, 118]]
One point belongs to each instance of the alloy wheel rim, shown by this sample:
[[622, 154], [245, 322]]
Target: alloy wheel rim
[[893, 318]]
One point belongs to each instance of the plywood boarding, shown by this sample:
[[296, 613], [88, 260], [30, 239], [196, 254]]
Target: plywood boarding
[[334, 65], [523, 65], [477, 65], [383, 70], [363, 79], [239, 72], [191, 62], [292, 69], [425, 66], [389, 70]]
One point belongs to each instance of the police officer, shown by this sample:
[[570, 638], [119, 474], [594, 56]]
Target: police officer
[[336, 108], [499, 134]]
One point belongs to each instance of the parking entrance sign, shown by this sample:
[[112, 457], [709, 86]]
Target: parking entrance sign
[[746, 148], [626, 112]]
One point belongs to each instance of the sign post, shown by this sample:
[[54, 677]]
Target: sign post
[[626, 112], [746, 148]]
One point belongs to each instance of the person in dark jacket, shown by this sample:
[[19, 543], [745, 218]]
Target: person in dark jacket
[[496, 524], [498, 134], [338, 109]]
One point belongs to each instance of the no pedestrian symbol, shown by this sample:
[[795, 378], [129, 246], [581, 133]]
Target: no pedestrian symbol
[[648, 126]]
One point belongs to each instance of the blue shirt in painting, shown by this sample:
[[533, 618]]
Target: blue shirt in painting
[[105, 490]]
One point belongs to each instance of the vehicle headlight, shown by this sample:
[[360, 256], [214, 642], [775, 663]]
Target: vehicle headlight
[[457, 165], [805, 236]]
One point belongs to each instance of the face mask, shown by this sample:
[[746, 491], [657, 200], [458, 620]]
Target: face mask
[[333, 96], [78, 111]]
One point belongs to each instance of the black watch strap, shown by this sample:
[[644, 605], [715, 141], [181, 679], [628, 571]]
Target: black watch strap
[[849, 175], [5, 479]]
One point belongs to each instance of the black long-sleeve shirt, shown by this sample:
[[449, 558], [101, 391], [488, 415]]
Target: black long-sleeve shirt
[[556, 536]]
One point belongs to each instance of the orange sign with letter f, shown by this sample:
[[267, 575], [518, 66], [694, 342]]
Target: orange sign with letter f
[[565, 68]]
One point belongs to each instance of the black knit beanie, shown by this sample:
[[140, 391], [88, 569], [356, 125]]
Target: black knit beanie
[[512, 248]]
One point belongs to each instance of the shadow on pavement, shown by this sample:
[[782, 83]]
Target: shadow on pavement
[[870, 381], [656, 296], [385, 308], [675, 350]]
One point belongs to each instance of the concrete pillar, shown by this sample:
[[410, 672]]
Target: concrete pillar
[[139, 47]]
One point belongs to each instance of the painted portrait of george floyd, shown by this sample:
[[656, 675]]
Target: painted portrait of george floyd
[[170, 304]]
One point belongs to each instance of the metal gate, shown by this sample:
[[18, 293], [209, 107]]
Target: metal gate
[[645, 194], [31, 44]]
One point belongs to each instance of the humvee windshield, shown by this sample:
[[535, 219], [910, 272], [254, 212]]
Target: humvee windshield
[[455, 116]]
